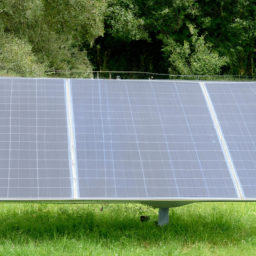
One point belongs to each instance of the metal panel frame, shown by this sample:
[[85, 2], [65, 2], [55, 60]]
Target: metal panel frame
[[72, 144]]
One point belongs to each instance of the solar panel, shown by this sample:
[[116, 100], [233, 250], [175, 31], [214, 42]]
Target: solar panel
[[133, 140], [34, 157], [147, 139], [235, 106]]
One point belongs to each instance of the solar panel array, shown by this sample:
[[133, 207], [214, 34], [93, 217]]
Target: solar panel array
[[136, 140]]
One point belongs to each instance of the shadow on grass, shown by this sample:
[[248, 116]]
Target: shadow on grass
[[39, 222]]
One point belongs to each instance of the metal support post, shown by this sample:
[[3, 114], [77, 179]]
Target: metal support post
[[163, 217]]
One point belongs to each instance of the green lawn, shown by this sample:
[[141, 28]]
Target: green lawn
[[196, 229]]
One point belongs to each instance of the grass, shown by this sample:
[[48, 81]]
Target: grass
[[196, 229]]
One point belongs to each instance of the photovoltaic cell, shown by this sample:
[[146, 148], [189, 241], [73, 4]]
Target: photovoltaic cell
[[34, 154], [235, 106], [147, 139]]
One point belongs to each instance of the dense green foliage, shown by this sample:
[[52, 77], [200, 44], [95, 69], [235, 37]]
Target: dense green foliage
[[52, 33], [176, 36], [196, 229]]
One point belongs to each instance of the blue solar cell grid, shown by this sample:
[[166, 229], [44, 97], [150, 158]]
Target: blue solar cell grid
[[235, 106], [34, 154], [147, 139]]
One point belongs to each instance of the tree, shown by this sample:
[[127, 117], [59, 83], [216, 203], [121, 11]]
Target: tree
[[17, 58], [197, 58], [54, 31]]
